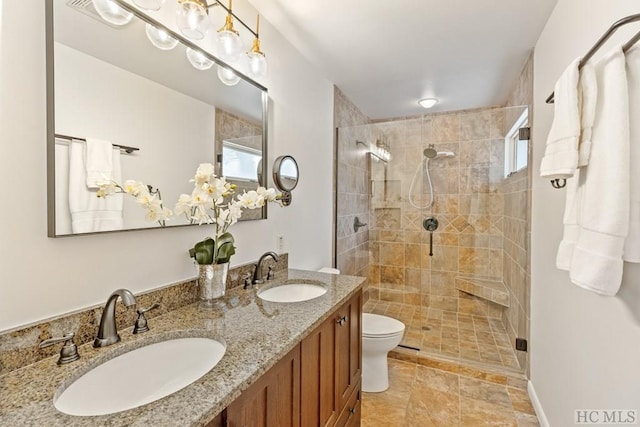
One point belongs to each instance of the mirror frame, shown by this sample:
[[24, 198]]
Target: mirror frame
[[50, 114]]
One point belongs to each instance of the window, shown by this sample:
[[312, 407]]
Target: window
[[516, 150], [240, 163]]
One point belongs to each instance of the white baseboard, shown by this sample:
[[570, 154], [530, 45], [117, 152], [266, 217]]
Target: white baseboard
[[542, 417]]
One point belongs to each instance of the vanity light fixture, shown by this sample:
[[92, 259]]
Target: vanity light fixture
[[160, 38], [428, 102], [111, 12], [198, 60], [228, 39], [192, 18], [227, 76], [153, 5], [257, 60]]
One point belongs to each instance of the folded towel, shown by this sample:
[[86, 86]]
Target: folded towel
[[90, 213], [561, 153], [604, 215], [98, 161], [588, 94], [632, 242], [571, 220]]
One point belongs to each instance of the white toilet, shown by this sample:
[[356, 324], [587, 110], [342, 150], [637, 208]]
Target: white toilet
[[380, 334]]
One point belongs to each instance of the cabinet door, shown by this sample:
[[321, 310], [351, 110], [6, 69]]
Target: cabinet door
[[318, 376], [348, 326], [273, 400]]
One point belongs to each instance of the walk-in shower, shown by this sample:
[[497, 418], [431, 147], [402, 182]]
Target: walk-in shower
[[442, 191]]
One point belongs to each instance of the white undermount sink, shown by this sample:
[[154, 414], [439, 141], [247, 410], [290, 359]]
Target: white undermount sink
[[140, 376], [292, 292]]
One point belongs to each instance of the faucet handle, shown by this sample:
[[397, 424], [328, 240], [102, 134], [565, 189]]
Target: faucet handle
[[69, 351], [246, 281], [141, 322], [271, 274]]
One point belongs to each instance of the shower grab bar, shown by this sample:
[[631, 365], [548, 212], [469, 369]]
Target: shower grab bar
[[602, 40]]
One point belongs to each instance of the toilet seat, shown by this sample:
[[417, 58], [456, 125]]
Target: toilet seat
[[377, 326]]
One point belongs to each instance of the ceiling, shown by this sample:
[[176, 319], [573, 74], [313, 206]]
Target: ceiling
[[385, 55]]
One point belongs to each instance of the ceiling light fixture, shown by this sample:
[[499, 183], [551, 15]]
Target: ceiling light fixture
[[428, 102], [198, 60], [160, 38], [111, 12], [257, 60], [228, 39], [227, 76], [192, 18]]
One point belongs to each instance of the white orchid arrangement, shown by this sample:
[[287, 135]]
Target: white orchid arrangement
[[212, 201], [147, 196]]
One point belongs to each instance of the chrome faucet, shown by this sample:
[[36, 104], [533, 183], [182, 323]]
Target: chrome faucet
[[257, 274], [108, 331]]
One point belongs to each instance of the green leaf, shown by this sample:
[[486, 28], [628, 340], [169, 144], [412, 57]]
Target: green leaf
[[224, 252], [202, 251]]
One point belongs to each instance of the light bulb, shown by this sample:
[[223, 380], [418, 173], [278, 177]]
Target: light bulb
[[198, 60], [192, 19], [229, 45], [160, 38], [257, 64], [227, 76], [153, 5], [112, 13]]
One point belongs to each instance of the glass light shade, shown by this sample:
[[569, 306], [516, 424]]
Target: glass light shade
[[257, 64], [192, 19], [160, 38], [198, 60], [227, 76], [112, 13], [153, 5], [229, 45]]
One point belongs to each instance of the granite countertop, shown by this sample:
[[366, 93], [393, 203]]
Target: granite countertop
[[257, 334]]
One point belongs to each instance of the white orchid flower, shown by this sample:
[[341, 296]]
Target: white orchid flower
[[269, 194], [184, 205], [204, 173], [135, 188], [249, 199]]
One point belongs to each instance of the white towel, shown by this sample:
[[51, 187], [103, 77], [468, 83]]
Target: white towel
[[90, 213], [632, 243], [588, 96], [98, 161], [561, 153], [604, 216]]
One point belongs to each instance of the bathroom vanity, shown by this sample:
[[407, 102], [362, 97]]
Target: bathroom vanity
[[285, 364]]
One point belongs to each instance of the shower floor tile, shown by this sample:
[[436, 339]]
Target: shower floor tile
[[450, 334]]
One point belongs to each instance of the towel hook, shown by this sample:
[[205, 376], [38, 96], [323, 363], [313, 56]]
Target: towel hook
[[558, 183]]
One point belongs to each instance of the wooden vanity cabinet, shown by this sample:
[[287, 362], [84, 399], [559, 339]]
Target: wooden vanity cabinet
[[273, 400], [316, 385]]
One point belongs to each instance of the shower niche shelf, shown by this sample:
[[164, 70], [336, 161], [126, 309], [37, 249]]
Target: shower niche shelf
[[490, 290]]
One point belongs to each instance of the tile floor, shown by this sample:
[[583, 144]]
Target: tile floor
[[451, 335], [421, 396]]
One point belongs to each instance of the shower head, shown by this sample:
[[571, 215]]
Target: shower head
[[430, 153]]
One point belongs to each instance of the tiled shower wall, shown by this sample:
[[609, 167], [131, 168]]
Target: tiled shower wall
[[517, 249], [467, 205], [352, 198]]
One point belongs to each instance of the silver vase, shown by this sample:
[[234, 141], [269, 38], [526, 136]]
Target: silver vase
[[212, 282]]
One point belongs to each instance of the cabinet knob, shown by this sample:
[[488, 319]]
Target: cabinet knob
[[341, 320]]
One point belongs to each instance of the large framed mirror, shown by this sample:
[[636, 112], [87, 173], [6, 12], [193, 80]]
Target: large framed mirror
[[162, 116]]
